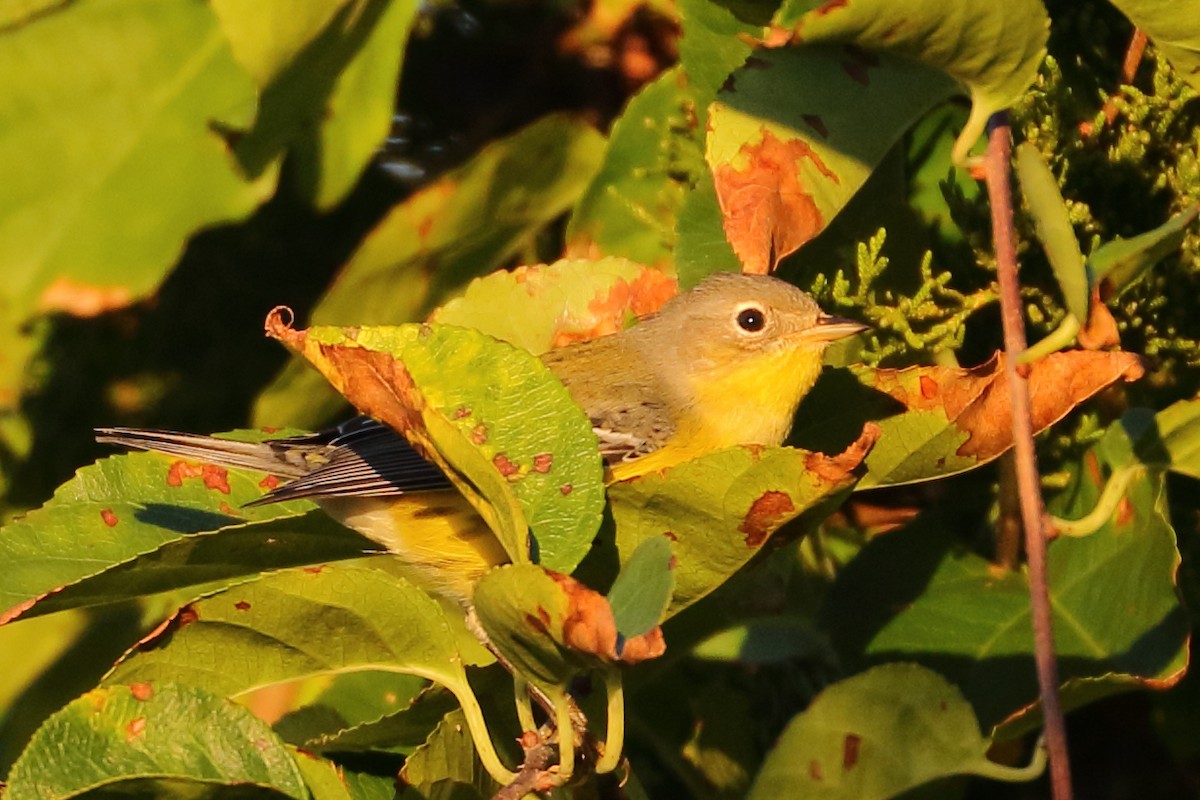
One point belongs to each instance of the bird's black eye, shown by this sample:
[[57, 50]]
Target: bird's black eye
[[751, 319]]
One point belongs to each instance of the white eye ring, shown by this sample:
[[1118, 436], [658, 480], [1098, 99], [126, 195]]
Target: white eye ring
[[750, 318]]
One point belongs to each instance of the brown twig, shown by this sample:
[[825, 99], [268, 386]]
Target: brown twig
[[534, 774], [997, 167], [1008, 525]]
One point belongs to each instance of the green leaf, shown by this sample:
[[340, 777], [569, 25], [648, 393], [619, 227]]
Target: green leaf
[[329, 781], [629, 207], [468, 222], [938, 421], [1175, 29], [131, 506], [495, 418], [1119, 264], [701, 247], [539, 307], [713, 45], [1169, 439], [326, 728], [295, 624], [783, 170], [121, 734], [1045, 203], [111, 156], [523, 609], [878, 734], [267, 36], [445, 765], [991, 49], [642, 590], [357, 116], [917, 594], [720, 509]]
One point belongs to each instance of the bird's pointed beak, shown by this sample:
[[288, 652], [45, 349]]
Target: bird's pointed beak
[[830, 328]]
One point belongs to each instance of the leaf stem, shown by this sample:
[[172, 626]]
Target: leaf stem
[[1109, 499], [480, 735], [997, 167], [524, 703], [614, 739], [1060, 337], [566, 736]]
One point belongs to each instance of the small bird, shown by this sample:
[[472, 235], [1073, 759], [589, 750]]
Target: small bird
[[724, 364]]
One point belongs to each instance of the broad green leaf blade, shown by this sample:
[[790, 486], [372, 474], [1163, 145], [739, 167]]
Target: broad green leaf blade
[[1119, 264], [642, 590], [119, 734], [267, 36], [123, 508], [357, 116], [1169, 439], [523, 609], [654, 150], [492, 415], [1175, 29], [938, 421], [1053, 223], [327, 780], [720, 509], [321, 728], [545, 306], [445, 765], [110, 158], [714, 44], [207, 558], [991, 49], [876, 735], [701, 247], [468, 222], [290, 625], [918, 595], [783, 169], [328, 76]]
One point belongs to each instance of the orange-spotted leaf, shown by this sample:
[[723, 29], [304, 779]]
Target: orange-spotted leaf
[[783, 170], [720, 509], [141, 523], [919, 595], [121, 739], [550, 305], [937, 421], [551, 626], [491, 415]]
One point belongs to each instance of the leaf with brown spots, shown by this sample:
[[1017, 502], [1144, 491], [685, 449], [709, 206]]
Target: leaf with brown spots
[[720, 509], [937, 421], [123, 737], [551, 627], [876, 735], [917, 594], [139, 523], [550, 305], [491, 415], [783, 170]]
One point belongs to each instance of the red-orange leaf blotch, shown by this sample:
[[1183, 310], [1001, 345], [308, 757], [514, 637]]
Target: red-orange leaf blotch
[[110, 519], [588, 626], [269, 483], [767, 212], [141, 691], [479, 434], [814, 770], [566, 489], [82, 299], [504, 465], [850, 746], [135, 728], [242, 605], [836, 469], [764, 516], [542, 462], [977, 401], [215, 478]]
